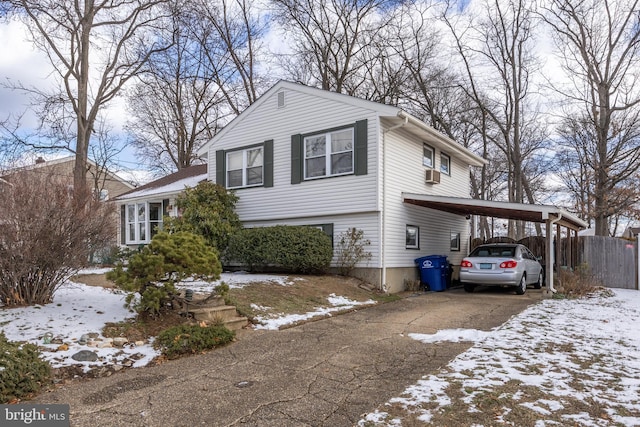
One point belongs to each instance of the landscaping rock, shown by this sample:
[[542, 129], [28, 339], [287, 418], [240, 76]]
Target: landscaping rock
[[120, 341], [85, 356]]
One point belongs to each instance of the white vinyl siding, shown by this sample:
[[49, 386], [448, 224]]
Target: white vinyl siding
[[306, 115], [403, 175]]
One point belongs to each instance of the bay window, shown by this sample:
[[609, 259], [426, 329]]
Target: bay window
[[143, 221]]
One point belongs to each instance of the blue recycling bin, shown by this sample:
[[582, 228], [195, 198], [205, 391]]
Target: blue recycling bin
[[434, 271]]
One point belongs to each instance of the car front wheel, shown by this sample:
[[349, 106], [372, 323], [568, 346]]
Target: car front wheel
[[522, 287]]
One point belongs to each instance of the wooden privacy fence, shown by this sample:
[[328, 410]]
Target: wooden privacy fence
[[611, 260]]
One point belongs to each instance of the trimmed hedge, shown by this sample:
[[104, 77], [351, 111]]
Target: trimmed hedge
[[191, 339], [293, 249], [22, 372]]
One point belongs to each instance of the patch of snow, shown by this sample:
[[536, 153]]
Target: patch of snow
[[571, 349], [77, 310], [338, 304]]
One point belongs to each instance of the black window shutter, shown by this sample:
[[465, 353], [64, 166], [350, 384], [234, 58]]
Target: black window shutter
[[328, 229], [268, 163], [123, 225], [165, 207], [360, 152], [296, 159], [221, 168]]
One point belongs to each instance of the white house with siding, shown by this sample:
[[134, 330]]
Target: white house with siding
[[304, 156]]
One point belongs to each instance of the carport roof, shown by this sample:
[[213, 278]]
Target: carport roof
[[517, 211]]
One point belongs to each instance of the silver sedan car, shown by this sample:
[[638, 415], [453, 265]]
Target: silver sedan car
[[501, 264]]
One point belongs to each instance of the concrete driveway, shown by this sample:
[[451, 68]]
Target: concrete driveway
[[324, 373]]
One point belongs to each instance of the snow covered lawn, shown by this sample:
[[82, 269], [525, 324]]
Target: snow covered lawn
[[80, 310], [558, 363]]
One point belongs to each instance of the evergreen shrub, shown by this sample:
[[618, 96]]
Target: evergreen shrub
[[22, 372], [153, 272], [191, 339], [294, 249]]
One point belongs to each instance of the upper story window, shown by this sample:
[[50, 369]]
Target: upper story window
[[445, 164], [328, 154], [428, 156], [245, 167]]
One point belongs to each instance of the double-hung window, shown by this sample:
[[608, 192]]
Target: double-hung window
[[445, 164], [329, 154], [428, 156], [245, 167]]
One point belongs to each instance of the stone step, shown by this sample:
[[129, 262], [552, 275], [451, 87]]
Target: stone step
[[236, 323], [211, 314]]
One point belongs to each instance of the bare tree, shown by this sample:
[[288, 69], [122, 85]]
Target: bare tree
[[174, 108], [496, 49], [598, 42], [229, 32], [330, 40], [104, 154], [95, 48]]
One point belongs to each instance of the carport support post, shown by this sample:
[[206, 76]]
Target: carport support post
[[548, 255]]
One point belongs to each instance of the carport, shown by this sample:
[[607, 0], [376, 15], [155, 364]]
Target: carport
[[549, 215]]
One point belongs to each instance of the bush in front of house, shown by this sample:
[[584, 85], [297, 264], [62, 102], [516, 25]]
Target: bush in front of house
[[208, 210], [191, 339], [22, 372], [44, 237], [153, 272], [294, 249], [351, 250]]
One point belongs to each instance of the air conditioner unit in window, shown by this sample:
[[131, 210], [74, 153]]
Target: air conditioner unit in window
[[432, 176]]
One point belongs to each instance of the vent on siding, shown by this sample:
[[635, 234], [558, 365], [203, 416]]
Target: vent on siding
[[280, 99]]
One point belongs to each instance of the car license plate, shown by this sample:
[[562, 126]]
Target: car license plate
[[485, 266]]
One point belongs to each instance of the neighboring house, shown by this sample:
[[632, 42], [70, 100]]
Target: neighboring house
[[304, 156], [104, 184], [142, 210]]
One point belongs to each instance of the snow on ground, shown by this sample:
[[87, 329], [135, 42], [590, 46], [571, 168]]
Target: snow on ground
[[275, 322], [585, 350], [235, 280], [79, 310]]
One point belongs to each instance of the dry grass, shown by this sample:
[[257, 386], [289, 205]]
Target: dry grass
[[304, 294], [578, 283]]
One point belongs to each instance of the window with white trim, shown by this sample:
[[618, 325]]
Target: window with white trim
[[445, 164], [412, 237], [428, 156], [245, 167], [455, 241], [329, 154], [144, 220]]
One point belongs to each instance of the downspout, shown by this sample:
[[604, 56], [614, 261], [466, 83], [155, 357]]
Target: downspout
[[383, 283], [550, 284]]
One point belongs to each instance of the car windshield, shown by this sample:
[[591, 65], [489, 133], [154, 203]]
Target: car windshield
[[494, 251]]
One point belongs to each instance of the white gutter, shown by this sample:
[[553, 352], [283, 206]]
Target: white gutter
[[471, 157]]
